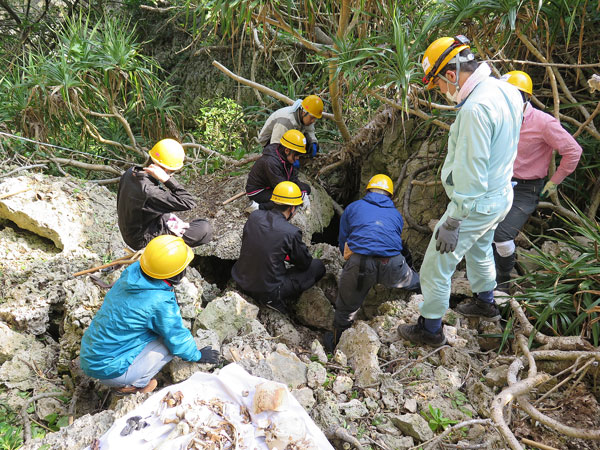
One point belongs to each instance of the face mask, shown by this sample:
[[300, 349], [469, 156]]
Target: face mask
[[452, 98]]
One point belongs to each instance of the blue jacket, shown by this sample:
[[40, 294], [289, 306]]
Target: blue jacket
[[136, 311], [372, 226]]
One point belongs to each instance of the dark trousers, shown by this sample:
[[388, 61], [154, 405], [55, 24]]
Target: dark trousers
[[295, 282], [199, 232], [360, 274], [525, 201]]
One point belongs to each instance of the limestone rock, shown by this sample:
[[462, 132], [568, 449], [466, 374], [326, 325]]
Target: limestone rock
[[413, 425], [181, 370], [361, 344], [80, 434], [13, 343], [354, 409], [305, 397], [487, 332], [410, 405], [19, 372], [279, 326], [314, 309], [226, 315], [316, 375], [342, 384], [481, 397], [396, 442], [189, 298], [286, 367], [392, 391], [70, 213], [496, 377], [447, 380], [460, 285], [83, 299], [318, 351]]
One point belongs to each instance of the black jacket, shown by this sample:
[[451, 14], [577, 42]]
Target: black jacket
[[271, 169], [268, 238], [144, 204]]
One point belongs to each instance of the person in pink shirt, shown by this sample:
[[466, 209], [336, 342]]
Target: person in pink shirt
[[540, 135]]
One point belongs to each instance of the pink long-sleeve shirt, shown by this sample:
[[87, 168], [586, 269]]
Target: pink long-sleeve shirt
[[540, 135]]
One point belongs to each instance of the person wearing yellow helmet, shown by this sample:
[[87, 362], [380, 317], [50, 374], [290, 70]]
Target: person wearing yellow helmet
[[138, 329], [268, 241], [274, 166], [476, 175], [149, 196], [370, 238], [300, 116], [540, 135]]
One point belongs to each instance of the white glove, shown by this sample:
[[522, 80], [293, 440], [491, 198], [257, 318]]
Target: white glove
[[176, 225]]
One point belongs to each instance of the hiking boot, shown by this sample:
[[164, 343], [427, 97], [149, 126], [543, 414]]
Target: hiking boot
[[278, 306], [417, 334], [134, 390], [503, 282], [479, 308], [332, 338]]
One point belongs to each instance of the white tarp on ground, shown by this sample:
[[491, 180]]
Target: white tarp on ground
[[230, 394]]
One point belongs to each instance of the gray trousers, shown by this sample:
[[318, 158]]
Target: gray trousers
[[147, 364], [360, 274]]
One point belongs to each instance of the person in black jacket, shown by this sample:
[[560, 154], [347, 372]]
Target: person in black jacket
[[274, 166], [149, 195], [267, 242]]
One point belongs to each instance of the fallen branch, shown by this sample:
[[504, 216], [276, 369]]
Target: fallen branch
[[10, 194], [32, 166], [343, 434], [430, 443], [87, 166], [426, 183], [260, 87], [537, 444], [122, 261], [235, 197], [25, 416]]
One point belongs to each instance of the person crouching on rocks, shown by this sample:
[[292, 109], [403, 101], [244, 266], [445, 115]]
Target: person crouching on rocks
[[148, 196], [139, 327]]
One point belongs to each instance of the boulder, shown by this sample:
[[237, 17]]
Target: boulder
[[316, 375], [314, 309], [497, 376], [13, 343], [285, 367], [226, 315], [24, 368], [354, 409], [361, 344], [181, 370], [305, 397], [280, 326], [71, 213], [342, 384]]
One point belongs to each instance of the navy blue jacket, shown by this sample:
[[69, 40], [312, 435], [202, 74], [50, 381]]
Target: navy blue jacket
[[372, 226]]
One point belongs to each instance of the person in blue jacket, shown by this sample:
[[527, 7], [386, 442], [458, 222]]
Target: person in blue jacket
[[139, 328], [476, 175], [370, 240]]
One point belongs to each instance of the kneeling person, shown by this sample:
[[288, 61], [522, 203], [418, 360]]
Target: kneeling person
[[370, 240], [267, 242], [148, 196], [274, 166], [139, 327]]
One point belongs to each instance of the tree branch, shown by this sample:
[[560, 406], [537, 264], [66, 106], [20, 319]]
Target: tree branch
[[82, 165]]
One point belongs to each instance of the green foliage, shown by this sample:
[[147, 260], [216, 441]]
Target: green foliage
[[10, 428], [563, 294], [458, 401], [330, 379], [436, 419], [220, 124]]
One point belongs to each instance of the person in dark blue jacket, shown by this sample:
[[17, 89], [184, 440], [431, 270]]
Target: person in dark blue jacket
[[139, 327], [370, 240]]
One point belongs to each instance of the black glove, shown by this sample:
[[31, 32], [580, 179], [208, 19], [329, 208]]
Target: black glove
[[209, 356], [447, 236]]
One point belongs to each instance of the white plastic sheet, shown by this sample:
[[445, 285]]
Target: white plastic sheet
[[233, 386]]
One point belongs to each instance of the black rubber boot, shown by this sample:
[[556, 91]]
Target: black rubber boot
[[417, 334], [479, 308], [504, 266]]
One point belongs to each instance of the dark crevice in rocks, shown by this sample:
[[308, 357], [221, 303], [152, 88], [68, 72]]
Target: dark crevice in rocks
[[55, 321], [214, 270], [330, 233], [26, 234]]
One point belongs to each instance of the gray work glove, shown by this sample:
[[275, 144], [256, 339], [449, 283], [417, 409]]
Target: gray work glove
[[209, 356], [447, 236]]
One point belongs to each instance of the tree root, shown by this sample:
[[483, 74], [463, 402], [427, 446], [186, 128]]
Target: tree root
[[550, 342], [337, 432], [406, 204], [430, 444]]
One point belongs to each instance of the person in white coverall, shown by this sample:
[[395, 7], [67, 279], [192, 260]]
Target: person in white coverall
[[476, 176]]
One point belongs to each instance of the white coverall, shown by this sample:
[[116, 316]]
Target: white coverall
[[476, 175]]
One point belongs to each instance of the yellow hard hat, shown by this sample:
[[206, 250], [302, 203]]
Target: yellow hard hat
[[165, 256], [520, 80], [168, 154], [294, 140], [313, 105], [287, 193], [439, 53], [381, 181]]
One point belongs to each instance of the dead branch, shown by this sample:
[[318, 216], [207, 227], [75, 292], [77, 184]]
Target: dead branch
[[260, 87], [416, 112], [105, 181], [537, 444], [10, 194], [545, 64], [595, 203], [25, 416], [32, 166], [159, 10], [551, 342], [209, 152], [82, 165], [561, 210], [343, 434], [587, 121], [430, 444]]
